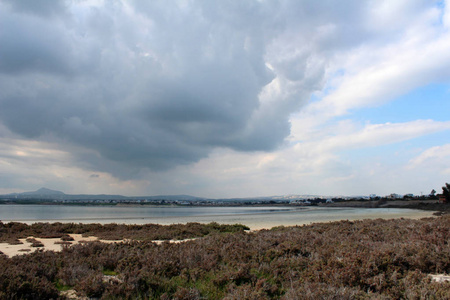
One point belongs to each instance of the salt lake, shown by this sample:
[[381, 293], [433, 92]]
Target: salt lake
[[255, 217]]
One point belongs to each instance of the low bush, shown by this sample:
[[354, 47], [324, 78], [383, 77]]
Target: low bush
[[379, 259], [13, 231]]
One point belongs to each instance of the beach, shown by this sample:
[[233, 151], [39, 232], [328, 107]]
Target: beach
[[313, 215]]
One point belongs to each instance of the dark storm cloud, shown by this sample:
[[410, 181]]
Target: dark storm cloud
[[31, 44], [156, 84]]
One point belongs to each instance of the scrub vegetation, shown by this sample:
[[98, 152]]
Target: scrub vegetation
[[11, 232], [370, 259]]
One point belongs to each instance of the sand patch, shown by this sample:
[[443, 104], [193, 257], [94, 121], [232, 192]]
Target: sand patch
[[53, 244], [440, 277], [159, 242], [56, 244]]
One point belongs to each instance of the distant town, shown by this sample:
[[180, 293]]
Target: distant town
[[48, 196]]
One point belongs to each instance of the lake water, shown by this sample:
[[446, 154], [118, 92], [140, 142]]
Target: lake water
[[254, 217]]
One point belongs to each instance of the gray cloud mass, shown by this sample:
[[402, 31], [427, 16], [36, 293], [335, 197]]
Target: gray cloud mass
[[156, 84]]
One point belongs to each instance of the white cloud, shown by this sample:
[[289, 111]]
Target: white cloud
[[395, 71], [446, 14], [319, 166], [383, 134], [435, 158]]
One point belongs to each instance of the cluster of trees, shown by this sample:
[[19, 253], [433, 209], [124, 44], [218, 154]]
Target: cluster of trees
[[446, 192], [382, 259]]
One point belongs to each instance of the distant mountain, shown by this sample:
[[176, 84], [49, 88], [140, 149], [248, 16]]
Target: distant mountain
[[43, 192]]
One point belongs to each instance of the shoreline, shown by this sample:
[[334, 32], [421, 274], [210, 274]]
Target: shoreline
[[295, 216], [407, 214]]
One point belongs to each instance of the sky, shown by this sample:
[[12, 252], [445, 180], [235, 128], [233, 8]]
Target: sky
[[225, 99]]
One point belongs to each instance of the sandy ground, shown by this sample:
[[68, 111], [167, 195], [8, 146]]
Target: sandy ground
[[440, 277], [305, 216], [258, 222], [49, 244], [52, 244]]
